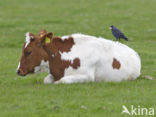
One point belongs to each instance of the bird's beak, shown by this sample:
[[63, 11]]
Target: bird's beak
[[110, 28]]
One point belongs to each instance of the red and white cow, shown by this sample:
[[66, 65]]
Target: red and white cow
[[78, 58]]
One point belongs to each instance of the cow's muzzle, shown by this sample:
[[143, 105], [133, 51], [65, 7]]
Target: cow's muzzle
[[19, 73], [22, 72]]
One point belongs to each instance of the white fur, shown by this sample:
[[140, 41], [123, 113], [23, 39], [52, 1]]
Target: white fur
[[53, 55], [49, 79], [96, 57], [27, 39], [18, 66], [43, 67]]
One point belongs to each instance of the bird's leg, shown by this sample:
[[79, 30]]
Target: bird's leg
[[117, 39]]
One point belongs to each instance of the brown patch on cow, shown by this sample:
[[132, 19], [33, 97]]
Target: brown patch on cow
[[63, 45], [116, 64], [57, 65], [76, 63]]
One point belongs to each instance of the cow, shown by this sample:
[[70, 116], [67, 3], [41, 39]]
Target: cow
[[78, 58]]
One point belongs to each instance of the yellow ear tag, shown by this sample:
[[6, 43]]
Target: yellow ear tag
[[47, 40]]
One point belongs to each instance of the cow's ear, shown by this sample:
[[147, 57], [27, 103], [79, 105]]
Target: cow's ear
[[42, 33], [46, 39], [42, 40], [50, 35]]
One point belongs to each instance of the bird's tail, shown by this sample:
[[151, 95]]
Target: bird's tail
[[126, 38]]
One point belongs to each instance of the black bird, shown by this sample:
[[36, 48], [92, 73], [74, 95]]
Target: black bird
[[117, 33]]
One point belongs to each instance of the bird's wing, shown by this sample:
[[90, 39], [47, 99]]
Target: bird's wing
[[118, 34], [115, 33], [121, 34]]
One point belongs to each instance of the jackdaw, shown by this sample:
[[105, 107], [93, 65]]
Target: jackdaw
[[117, 33]]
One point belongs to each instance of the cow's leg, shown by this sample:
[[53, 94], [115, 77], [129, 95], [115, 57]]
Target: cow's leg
[[75, 79], [48, 79]]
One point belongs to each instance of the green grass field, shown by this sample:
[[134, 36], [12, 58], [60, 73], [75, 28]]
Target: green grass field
[[29, 97]]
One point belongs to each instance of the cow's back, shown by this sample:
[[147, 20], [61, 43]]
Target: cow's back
[[103, 59]]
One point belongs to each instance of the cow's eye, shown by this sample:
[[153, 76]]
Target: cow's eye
[[28, 53]]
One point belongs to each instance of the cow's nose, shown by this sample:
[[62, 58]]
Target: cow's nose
[[18, 72]]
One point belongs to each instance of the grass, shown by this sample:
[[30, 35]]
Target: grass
[[29, 97]]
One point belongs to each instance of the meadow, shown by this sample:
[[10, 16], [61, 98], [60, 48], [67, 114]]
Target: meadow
[[29, 97]]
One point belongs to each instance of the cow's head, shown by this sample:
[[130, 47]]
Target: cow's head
[[34, 57]]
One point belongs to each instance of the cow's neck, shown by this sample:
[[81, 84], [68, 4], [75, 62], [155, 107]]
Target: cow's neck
[[56, 64]]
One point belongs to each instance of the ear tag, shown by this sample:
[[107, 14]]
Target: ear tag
[[47, 40], [41, 35]]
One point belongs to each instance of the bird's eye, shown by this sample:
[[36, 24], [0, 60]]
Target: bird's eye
[[28, 53]]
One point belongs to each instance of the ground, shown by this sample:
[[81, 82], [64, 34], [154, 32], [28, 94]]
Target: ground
[[29, 97]]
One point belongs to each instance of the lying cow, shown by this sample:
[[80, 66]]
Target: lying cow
[[78, 58]]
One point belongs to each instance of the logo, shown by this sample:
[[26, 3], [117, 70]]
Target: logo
[[137, 110]]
